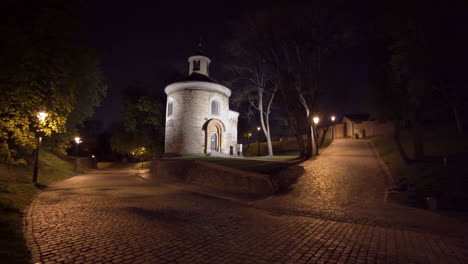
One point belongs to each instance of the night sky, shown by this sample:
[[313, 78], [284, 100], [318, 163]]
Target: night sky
[[138, 39]]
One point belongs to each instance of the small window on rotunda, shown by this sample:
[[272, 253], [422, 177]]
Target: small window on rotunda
[[214, 107], [196, 65], [170, 107]]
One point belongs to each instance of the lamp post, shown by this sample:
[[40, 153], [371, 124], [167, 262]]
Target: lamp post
[[77, 141], [133, 160], [258, 141], [41, 116], [143, 158], [316, 120], [333, 130], [94, 162]]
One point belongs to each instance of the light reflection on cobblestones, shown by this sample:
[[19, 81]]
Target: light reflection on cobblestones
[[117, 218]]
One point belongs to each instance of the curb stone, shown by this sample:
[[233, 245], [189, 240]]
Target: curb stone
[[388, 175]]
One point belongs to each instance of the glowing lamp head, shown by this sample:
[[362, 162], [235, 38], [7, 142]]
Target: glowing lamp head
[[258, 128], [250, 134], [333, 118], [92, 156], [316, 119], [78, 140], [42, 116]]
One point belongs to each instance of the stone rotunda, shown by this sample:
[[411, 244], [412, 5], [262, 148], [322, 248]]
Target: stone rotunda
[[198, 119]]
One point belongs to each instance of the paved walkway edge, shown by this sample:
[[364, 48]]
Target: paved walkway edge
[[26, 214], [388, 175]]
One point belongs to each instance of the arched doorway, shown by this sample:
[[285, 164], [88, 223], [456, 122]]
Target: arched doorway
[[214, 141], [214, 129]]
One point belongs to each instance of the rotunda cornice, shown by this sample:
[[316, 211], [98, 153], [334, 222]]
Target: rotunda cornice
[[199, 57], [197, 85]]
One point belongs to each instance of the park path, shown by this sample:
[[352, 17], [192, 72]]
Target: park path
[[116, 217], [347, 183], [343, 179]]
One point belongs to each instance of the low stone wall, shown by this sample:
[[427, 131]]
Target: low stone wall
[[213, 176]]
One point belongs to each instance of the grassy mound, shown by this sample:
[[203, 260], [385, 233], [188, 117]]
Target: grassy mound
[[266, 165], [447, 182]]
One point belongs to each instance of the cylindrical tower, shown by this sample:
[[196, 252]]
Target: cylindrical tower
[[198, 119]]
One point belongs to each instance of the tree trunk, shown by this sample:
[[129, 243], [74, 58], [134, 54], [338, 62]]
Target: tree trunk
[[397, 138], [316, 140], [300, 143], [418, 141], [325, 131], [310, 132], [456, 114], [309, 151], [296, 123], [265, 118], [269, 144]]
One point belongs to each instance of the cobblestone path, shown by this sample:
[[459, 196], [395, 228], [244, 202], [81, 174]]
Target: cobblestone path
[[346, 183], [115, 217], [341, 182]]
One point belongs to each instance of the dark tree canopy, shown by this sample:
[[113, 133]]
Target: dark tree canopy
[[416, 64], [142, 130], [44, 66]]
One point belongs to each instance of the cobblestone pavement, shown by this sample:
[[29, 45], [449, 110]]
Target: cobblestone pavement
[[115, 217], [343, 180], [346, 183]]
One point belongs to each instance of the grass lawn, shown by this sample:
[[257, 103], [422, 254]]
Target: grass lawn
[[259, 164], [118, 165], [279, 157], [429, 179], [16, 192]]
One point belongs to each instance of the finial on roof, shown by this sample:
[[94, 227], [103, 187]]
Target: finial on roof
[[200, 46]]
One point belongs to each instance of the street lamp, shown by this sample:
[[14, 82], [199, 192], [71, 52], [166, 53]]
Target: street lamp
[[316, 120], [143, 158], [258, 141], [77, 141], [93, 161], [333, 130], [133, 160], [41, 116]]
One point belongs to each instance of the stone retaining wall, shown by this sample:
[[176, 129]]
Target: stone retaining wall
[[213, 176]]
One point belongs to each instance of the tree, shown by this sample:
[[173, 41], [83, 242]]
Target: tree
[[295, 49], [257, 88], [143, 124], [43, 66], [123, 141], [414, 56], [90, 92]]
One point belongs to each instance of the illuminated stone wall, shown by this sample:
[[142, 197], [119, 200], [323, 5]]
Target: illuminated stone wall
[[368, 128], [185, 128]]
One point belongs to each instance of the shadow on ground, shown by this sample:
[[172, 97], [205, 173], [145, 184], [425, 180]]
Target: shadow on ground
[[285, 179], [166, 215]]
